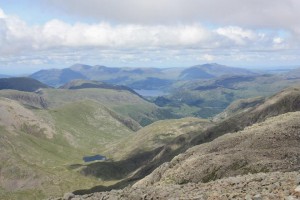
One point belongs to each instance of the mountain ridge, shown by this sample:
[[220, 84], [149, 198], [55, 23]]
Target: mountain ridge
[[21, 83], [129, 76]]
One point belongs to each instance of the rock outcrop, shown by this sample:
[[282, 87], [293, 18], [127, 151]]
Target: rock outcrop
[[259, 186]]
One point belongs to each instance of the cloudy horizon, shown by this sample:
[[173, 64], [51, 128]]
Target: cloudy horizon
[[56, 34]]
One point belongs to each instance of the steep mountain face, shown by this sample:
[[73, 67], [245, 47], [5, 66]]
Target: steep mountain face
[[15, 117], [21, 83], [29, 99]]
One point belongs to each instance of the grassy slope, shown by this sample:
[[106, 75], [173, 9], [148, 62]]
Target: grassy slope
[[122, 102], [156, 135], [88, 124], [36, 166]]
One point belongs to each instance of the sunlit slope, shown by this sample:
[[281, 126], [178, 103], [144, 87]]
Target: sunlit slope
[[88, 124], [121, 101], [156, 135]]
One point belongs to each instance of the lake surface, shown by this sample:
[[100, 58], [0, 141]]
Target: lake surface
[[93, 158], [151, 93]]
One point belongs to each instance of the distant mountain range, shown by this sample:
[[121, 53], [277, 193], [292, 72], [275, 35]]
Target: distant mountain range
[[85, 84], [136, 78], [57, 77], [209, 71], [199, 91], [21, 84]]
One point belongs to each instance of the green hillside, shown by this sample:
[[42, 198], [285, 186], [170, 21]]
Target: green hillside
[[39, 145], [121, 101], [156, 135]]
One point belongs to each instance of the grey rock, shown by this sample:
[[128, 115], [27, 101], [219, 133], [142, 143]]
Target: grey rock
[[68, 196]]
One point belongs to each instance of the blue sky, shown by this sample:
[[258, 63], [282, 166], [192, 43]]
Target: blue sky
[[158, 33]]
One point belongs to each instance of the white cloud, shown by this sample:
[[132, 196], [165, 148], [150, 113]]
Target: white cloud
[[17, 36], [252, 13], [58, 42], [2, 14], [277, 40], [208, 57], [238, 35]]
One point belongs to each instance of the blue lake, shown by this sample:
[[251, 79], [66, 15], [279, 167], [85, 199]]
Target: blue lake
[[151, 93], [93, 158]]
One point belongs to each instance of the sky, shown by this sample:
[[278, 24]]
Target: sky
[[41, 34]]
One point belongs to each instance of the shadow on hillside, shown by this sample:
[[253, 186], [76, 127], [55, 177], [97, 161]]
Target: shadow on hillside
[[144, 163], [132, 169], [117, 170]]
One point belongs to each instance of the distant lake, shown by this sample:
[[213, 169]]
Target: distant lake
[[151, 93], [93, 158]]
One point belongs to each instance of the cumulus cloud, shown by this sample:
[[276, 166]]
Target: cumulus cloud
[[2, 14], [238, 35], [55, 41], [17, 36], [103, 34], [254, 13]]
